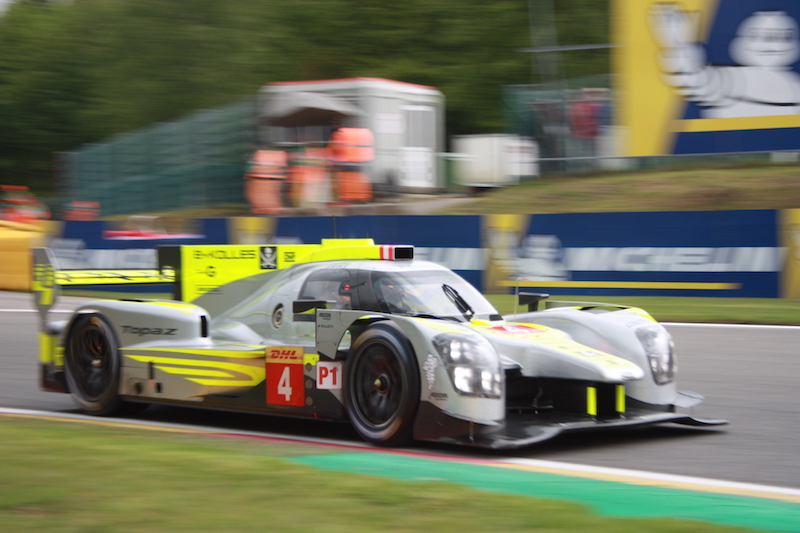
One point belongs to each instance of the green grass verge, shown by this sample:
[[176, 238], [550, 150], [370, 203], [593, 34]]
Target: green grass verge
[[75, 477], [673, 309], [689, 189]]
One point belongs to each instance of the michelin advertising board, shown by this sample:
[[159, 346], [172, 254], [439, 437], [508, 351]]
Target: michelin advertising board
[[711, 253], [708, 76], [703, 253]]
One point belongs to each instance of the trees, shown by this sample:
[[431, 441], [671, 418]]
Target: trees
[[80, 72]]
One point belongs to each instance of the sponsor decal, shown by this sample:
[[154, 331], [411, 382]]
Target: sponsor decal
[[240, 253], [518, 329], [133, 330], [285, 355], [329, 375], [429, 367], [269, 257], [285, 380]]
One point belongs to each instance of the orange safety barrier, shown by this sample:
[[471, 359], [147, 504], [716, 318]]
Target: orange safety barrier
[[352, 145], [268, 164], [19, 204], [308, 178], [82, 210], [265, 179], [350, 148], [353, 187]]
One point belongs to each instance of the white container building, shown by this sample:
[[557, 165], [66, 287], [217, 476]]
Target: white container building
[[494, 160], [407, 122]]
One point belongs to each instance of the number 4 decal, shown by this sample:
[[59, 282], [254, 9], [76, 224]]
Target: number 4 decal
[[285, 384], [285, 380]]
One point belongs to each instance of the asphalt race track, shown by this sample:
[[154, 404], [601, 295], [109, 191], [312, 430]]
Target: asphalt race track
[[749, 375]]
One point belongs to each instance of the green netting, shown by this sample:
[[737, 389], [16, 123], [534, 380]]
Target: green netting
[[195, 161]]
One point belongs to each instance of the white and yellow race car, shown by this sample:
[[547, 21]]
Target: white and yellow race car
[[352, 331]]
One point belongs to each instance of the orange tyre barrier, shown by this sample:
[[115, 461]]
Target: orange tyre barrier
[[82, 210], [350, 149], [265, 179]]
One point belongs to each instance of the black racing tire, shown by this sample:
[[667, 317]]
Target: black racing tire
[[382, 386], [92, 367]]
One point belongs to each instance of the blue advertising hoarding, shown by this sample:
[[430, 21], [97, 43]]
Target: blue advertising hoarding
[[709, 253], [714, 253]]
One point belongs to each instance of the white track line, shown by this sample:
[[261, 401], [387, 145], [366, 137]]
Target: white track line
[[640, 477], [35, 311]]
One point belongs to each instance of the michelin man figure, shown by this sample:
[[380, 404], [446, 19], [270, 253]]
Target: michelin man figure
[[765, 47], [540, 258]]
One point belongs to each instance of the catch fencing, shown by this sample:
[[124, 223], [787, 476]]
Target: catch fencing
[[192, 162], [575, 125]]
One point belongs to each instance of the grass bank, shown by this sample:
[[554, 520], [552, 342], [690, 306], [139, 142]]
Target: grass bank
[[697, 189], [69, 476]]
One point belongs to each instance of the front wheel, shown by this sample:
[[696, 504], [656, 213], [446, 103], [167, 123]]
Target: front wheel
[[382, 386], [92, 367]]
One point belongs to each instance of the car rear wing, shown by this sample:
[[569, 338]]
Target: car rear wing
[[48, 280], [194, 270]]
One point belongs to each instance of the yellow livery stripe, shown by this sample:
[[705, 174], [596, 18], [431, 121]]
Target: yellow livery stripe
[[112, 277], [227, 374], [247, 353]]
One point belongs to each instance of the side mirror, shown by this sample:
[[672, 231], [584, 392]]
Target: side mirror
[[532, 299], [300, 309]]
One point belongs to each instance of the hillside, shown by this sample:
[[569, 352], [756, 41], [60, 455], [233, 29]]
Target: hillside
[[720, 188]]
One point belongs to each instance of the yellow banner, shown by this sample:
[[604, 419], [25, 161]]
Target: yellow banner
[[648, 105], [790, 240]]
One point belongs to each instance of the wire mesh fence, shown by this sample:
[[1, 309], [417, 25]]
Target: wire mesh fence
[[195, 161], [574, 125]]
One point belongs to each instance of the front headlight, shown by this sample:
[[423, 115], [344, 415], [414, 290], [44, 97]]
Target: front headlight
[[660, 350], [472, 363]]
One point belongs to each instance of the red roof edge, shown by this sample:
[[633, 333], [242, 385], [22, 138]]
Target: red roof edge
[[314, 82]]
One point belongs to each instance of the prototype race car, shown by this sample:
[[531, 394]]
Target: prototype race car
[[351, 331]]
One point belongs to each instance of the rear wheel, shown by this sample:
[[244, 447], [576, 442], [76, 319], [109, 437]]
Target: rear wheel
[[92, 367], [382, 386]]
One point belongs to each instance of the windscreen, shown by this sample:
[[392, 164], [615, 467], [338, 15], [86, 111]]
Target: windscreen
[[438, 293]]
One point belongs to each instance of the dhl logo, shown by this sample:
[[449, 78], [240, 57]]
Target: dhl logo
[[282, 354]]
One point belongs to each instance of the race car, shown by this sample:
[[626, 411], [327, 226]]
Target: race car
[[351, 331]]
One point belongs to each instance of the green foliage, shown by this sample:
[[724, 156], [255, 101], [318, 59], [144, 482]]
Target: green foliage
[[78, 72]]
